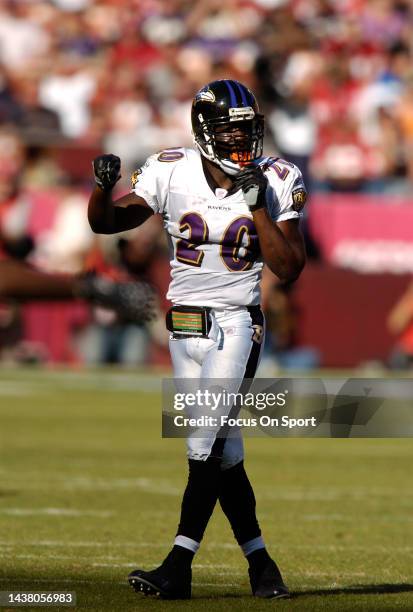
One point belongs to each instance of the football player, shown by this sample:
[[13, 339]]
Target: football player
[[226, 210]]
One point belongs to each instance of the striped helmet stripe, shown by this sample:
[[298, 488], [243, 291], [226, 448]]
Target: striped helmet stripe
[[232, 94], [242, 90]]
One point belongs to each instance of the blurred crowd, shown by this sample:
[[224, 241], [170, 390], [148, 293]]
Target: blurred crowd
[[334, 78]]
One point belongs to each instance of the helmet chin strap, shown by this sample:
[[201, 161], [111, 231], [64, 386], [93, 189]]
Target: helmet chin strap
[[228, 166]]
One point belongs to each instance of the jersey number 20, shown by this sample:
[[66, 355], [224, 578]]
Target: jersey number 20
[[235, 255]]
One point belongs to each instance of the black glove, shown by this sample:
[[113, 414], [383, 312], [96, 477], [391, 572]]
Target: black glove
[[133, 301], [253, 183], [107, 171]]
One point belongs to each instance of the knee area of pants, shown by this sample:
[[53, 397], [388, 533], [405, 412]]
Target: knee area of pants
[[234, 465]]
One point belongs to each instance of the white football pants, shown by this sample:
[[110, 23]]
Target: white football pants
[[232, 351]]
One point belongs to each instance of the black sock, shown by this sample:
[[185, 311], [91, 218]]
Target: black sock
[[258, 559], [179, 556], [237, 500], [200, 497]]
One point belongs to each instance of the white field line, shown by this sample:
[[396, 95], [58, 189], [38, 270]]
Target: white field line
[[123, 582], [76, 374], [71, 558], [148, 485], [216, 584], [379, 549], [89, 382], [105, 560], [386, 518], [212, 568], [325, 517], [163, 487], [215, 568], [54, 512], [84, 482], [85, 375], [85, 544], [209, 566], [114, 563], [331, 494], [112, 582], [130, 565], [58, 581], [16, 391], [212, 565], [332, 585], [81, 483], [131, 381], [61, 557]]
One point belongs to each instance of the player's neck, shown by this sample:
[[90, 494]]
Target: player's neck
[[215, 176]]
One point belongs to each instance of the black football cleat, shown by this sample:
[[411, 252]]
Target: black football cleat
[[167, 582], [268, 582]]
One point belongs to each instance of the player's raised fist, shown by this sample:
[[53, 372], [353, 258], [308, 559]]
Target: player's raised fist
[[106, 169]]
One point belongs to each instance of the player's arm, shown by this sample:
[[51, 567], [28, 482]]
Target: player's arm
[[281, 244], [20, 282], [108, 216]]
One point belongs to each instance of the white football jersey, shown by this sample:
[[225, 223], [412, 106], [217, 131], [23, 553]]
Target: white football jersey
[[214, 249]]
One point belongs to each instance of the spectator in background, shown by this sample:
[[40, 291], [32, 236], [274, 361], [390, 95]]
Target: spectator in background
[[107, 69], [400, 323], [23, 40], [108, 339], [382, 21], [404, 118], [36, 123], [68, 90], [9, 107], [130, 119], [281, 350], [63, 242], [342, 161], [291, 123], [15, 209], [15, 205]]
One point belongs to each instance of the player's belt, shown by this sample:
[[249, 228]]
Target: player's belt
[[187, 321]]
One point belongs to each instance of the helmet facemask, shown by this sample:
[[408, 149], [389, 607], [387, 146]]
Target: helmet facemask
[[231, 142]]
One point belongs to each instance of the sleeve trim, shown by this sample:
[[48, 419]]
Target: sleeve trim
[[292, 214], [147, 197]]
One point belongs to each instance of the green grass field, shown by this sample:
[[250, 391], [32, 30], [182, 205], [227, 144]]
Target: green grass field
[[89, 490]]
